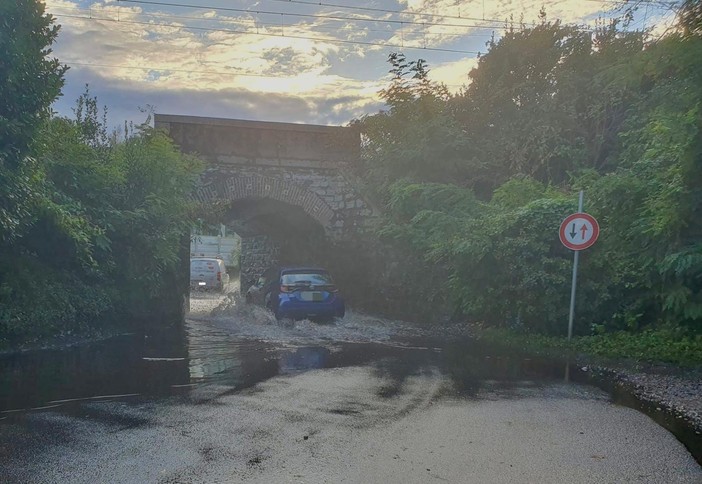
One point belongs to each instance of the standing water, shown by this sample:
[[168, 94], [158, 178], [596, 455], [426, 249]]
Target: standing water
[[227, 346]]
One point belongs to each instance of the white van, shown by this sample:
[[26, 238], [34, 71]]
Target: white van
[[207, 273]]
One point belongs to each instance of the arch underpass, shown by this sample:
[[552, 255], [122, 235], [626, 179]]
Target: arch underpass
[[285, 188], [275, 232]]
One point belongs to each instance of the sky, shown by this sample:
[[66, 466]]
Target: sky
[[301, 61]]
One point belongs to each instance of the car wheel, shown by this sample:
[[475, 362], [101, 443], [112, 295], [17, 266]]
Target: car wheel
[[269, 305], [276, 312]]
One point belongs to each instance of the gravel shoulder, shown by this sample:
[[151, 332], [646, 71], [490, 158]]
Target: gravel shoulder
[[677, 391]]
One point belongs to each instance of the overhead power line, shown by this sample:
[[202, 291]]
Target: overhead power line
[[190, 71], [500, 23], [660, 3], [489, 23], [254, 22], [169, 69], [395, 12], [301, 37], [162, 69]]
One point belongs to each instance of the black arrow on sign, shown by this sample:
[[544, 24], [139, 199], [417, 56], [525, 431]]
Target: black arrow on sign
[[572, 231]]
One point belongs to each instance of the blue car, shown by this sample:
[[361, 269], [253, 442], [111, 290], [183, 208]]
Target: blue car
[[298, 293]]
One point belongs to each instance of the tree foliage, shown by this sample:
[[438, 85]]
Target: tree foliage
[[417, 127], [29, 79], [29, 82], [548, 111], [90, 223], [105, 233]]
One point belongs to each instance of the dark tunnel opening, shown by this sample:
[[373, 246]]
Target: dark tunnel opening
[[272, 233]]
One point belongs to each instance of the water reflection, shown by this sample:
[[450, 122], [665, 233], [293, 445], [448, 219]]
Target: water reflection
[[163, 364], [114, 367], [206, 364], [306, 358]]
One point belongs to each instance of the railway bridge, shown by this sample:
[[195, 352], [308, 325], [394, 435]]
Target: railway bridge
[[285, 188]]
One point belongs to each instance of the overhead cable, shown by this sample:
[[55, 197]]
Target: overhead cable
[[500, 23], [301, 37]]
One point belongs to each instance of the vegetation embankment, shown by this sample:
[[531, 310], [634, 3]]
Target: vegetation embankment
[[648, 346], [476, 184], [91, 222]]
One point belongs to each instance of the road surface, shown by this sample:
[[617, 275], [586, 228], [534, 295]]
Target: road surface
[[364, 400]]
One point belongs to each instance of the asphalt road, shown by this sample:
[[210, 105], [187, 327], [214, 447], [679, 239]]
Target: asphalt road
[[298, 405]]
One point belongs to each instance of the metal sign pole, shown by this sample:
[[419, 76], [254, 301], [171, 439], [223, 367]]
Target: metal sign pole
[[575, 277]]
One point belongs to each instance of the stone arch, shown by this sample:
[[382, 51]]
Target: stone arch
[[234, 188]]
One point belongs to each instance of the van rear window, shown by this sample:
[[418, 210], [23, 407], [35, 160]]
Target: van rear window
[[203, 265]]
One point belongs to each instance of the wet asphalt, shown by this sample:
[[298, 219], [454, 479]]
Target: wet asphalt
[[237, 397]]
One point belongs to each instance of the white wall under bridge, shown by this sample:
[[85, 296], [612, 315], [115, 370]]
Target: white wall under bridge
[[225, 248]]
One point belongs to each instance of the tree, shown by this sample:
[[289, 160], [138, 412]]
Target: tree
[[107, 227], [29, 80], [691, 18], [550, 110], [656, 191], [417, 138], [542, 102]]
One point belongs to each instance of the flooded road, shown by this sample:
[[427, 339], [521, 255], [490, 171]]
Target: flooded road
[[239, 397]]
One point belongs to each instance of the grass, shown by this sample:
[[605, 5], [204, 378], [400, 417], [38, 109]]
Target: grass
[[655, 346]]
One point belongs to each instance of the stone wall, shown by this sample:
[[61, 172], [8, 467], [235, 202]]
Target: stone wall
[[259, 166], [326, 195], [257, 254], [308, 166], [244, 142]]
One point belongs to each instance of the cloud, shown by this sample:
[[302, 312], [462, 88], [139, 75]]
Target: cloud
[[130, 45], [453, 74], [124, 98], [447, 22], [315, 63]]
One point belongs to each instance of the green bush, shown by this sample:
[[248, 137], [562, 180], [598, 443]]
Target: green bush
[[551, 110], [664, 345]]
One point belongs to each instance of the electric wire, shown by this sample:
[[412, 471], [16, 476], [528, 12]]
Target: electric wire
[[254, 22], [282, 14], [198, 71], [300, 37], [316, 16], [436, 15]]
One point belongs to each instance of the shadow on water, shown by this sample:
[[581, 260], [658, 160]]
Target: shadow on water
[[165, 364], [123, 365], [169, 364]]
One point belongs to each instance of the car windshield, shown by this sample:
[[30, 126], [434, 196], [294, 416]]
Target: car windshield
[[311, 278]]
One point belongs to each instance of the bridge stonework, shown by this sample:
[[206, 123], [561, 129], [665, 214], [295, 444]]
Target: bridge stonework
[[305, 166]]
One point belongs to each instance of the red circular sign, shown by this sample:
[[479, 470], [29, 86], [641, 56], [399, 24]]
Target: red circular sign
[[579, 231]]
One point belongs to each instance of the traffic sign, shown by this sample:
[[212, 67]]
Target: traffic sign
[[579, 231]]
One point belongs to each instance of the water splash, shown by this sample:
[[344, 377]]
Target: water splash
[[250, 321]]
